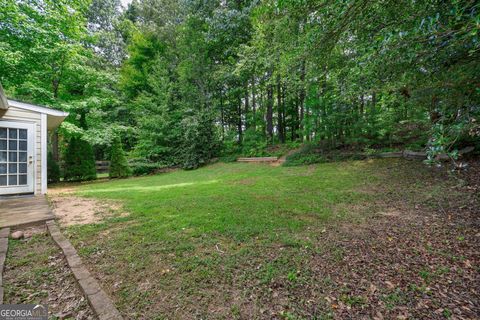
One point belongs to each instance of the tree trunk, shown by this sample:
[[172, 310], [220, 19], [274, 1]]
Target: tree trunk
[[222, 115], [362, 105], [302, 96], [281, 136], [55, 86], [247, 107], [239, 123], [254, 106], [57, 79], [284, 113], [269, 116], [295, 124], [261, 107], [55, 145], [306, 130]]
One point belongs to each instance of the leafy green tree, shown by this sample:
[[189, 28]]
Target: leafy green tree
[[118, 162], [42, 38], [179, 79], [79, 161], [53, 169], [173, 113], [109, 29], [200, 141]]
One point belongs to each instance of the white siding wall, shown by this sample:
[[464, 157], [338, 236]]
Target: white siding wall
[[17, 114]]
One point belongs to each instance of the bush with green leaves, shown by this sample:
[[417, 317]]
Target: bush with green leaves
[[308, 154], [79, 161], [321, 152], [53, 169], [254, 144], [229, 158], [230, 146], [448, 137], [141, 167], [119, 167], [200, 142]]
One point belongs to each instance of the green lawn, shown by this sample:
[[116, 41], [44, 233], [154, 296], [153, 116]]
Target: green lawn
[[210, 242], [237, 201]]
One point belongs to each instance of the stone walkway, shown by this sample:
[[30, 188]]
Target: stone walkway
[[24, 211]]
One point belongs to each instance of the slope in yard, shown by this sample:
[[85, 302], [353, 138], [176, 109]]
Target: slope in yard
[[366, 239]]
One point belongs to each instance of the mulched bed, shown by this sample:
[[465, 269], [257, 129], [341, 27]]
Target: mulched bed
[[419, 262], [37, 273]]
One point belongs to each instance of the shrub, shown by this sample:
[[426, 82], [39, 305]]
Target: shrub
[[118, 162], [254, 144], [410, 134], [229, 158], [321, 152], [308, 154], [53, 169], [79, 161], [200, 142], [142, 167], [298, 159]]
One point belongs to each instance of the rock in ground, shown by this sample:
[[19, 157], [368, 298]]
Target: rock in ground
[[17, 235]]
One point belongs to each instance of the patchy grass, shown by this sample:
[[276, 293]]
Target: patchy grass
[[256, 241], [36, 273]]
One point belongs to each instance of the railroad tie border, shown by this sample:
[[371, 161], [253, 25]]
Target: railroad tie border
[[100, 302]]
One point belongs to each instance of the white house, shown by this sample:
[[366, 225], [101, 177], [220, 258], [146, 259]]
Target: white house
[[23, 145]]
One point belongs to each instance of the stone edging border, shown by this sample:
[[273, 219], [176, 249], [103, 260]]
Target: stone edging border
[[3, 255], [100, 302]]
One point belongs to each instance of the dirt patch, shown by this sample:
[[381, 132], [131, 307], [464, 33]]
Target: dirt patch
[[391, 212], [37, 273], [280, 161], [74, 210]]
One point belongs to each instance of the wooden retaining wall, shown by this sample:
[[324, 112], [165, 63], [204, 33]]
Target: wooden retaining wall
[[407, 154], [258, 159]]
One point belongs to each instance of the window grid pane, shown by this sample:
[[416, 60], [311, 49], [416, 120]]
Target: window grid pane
[[22, 168], [22, 179], [12, 133], [22, 145], [12, 180], [12, 145], [12, 156], [22, 157], [12, 168], [22, 134]]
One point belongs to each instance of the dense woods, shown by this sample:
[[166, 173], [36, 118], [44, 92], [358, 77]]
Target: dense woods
[[181, 82]]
